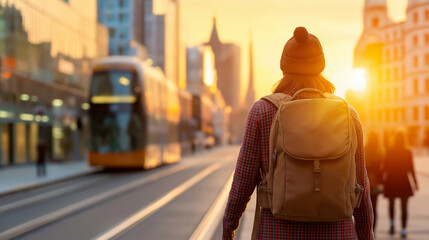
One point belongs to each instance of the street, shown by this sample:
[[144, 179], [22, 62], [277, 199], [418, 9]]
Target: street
[[179, 201]]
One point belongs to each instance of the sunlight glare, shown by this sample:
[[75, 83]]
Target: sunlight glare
[[358, 79]]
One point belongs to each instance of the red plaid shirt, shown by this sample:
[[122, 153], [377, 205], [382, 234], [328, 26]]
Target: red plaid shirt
[[254, 155]]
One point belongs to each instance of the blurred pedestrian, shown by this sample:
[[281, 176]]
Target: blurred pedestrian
[[399, 178], [302, 63], [41, 157], [374, 166]]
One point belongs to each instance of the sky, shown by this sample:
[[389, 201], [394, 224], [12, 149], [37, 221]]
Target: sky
[[337, 24]]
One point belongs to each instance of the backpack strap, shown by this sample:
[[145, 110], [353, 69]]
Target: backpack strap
[[277, 98]]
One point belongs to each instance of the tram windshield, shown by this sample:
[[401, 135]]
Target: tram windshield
[[112, 87], [115, 120]]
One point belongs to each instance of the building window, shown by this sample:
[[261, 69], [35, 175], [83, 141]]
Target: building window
[[387, 115], [416, 61], [112, 32], [121, 3], [380, 76], [388, 95], [380, 115], [387, 55], [427, 39], [395, 54], [403, 114], [415, 40], [380, 95], [416, 86], [427, 15], [395, 94], [403, 72], [395, 115], [427, 85], [375, 22], [387, 75], [427, 112], [395, 74], [427, 59], [416, 113], [416, 17]]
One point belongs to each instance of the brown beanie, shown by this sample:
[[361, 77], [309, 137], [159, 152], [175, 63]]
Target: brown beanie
[[302, 54]]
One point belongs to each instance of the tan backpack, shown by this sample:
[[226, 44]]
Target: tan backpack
[[312, 170]]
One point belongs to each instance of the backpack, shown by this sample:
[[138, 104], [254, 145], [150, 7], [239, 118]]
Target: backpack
[[312, 170]]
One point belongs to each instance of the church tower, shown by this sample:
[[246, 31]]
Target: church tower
[[250, 94], [375, 15]]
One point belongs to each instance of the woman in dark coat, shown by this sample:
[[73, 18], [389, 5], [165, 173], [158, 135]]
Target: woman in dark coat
[[398, 165], [374, 167]]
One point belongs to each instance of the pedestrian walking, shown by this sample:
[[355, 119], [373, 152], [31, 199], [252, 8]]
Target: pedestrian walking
[[399, 180], [374, 165], [41, 157], [303, 148]]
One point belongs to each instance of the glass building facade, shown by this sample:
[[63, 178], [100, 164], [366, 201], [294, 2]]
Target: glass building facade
[[47, 48]]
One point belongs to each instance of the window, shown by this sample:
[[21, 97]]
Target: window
[[112, 32], [387, 115], [395, 115], [380, 95], [380, 76], [416, 17], [395, 74], [403, 114], [388, 95], [375, 22], [427, 39], [427, 112], [387, 75], [416, 86], [395, 54], [403, 72], [121, 17], [427, 85], [121, 3], [387, 55], [415, 40], [416, 61], [395, 94], [380, 115], [427, 15], [416, 113], [427, 59]]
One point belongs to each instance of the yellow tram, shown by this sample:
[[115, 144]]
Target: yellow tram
[[134, 115]]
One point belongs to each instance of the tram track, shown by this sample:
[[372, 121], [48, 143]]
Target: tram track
[[37, 222]]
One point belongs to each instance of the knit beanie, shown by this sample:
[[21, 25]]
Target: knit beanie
[[302, 54]]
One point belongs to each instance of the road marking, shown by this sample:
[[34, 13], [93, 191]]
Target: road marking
[[211, 220], [47, 195], [156, 205], [40, 221]]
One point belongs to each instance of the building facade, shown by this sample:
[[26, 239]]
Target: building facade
[[396, 58], [46, 51], [136, 29]]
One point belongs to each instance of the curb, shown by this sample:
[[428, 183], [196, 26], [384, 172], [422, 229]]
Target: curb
[[49, 182]]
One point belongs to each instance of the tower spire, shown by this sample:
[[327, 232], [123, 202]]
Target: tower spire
[[214, 38]]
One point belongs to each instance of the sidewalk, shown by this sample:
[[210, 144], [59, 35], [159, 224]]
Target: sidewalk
[[16, 178], [418, 209]]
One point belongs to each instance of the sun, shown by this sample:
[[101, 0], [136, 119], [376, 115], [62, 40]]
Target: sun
[[357, 79]]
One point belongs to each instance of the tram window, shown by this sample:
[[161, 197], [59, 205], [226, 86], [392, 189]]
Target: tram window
[[112, 83]]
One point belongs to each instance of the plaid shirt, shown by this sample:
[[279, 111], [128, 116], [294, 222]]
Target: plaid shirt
[[254, 155]]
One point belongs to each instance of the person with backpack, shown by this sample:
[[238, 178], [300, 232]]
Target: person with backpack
[[303, 148]]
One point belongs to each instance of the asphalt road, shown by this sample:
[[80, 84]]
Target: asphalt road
[[184, 200]]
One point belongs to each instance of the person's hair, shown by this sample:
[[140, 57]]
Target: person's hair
[[400, 140], [292, 83]]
